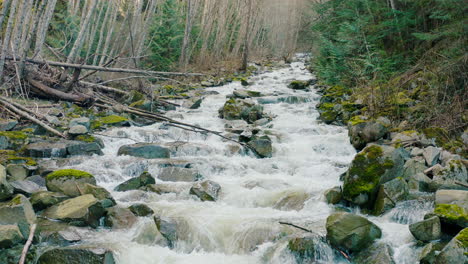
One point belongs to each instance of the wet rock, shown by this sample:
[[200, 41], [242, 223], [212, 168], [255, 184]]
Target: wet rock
[[26, 187], [351, 232], [431, 155], [373, 166], [119, 218], [429, 253], [67, 181], [292, 200], [104, 196], [243, 94], [333, 195], [80, 254], [451, 196], [188, 148], [193, 103], [7, 124], [168, 229], [389, 194], [78, 148], [175, 174], [206, 190], [77, 130], [426, 230], [366, 132], [161, 188], [17, 172], [294, 100], [145, 150], [453, 214], [10, 235], [135, 183], [47, 149], [44, 199], [18, 211], [79, 211], [376, 253], [455, 250], [141, 210], [262, 146], [304, 248], [299, 85], [81, 121], [419, 182], [268, 100], [235, 109]]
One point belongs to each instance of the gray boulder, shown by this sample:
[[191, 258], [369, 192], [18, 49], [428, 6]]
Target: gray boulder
[[262, 146], [135, 183], [193, 103], [47, 149], [17, 172], [168, 229], [333, 195], [376, 253], [413, 166], [6, 190], [80, 148], [44, 199], [206, 190], [366, 132], [450, 196], [141, 210], [10, 235], [448, 176], [351, 232], [77, 130], [82, 121], [145, 150], [119, 218], [389, 194], [455, 250], [26, 187], [80, 254], [68, 181], [18, 211], [176, 174], [79, 211], [431, 155], [426, 230]]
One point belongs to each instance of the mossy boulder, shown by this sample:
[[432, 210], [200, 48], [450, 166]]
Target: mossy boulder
[[456, 250], [235, 109], [113, 120], [329, 112], [77, 254], [135, 183], [83, 210], [44, 199], [67, 181], [363, 133], [145, 150], [262, 146], [18, 211], [299, 85], [351, 232], [373, 166], [453, 214], [389, 194], [13, 139]]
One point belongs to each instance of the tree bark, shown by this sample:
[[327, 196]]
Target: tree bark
[[7, 37], [44, 25], [245, 55]]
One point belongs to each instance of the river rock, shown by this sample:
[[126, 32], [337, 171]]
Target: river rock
[[44, 199], [82, 121], [206, 190], [333, 195], [377, 253], [448, 176], [298, 85], [450, 196], [304, 248], [351, 232], [413, 166], [10, 235], [6, 190], [47, 149], [262, 146], [294, 99], [426, 230], [366, 132], [104, 196], [80, 254], [168, 229], [455, 250], [415, 152], [176, 174], [420, 182], [373, 166], [429, 253], [389, 194], [78, 148], [26, 187], [453, 214], [431, 155], [291, 200], [119, 218], [80, 211], [241, 109], [17, 172], [141, 210], [193, 103], [77, 130], [18, 211], [135, 183], [145, 150], [67, 181], [7, 124]]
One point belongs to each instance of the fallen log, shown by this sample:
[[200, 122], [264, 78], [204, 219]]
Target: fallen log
[[99, 68], [56, 94]]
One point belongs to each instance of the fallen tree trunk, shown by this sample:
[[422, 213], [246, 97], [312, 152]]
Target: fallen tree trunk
[[99, 68], [56, 94]]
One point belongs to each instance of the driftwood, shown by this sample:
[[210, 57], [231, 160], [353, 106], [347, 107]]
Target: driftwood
[[56, 94], [104, 69], [296, 226], [28, 116], [32, 230]]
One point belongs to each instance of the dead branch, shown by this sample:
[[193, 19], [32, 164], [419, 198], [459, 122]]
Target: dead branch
[[56, 94], [104, 88], [32, 230], [99, 68], [296, 226]]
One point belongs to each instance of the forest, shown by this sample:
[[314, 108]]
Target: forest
[[233, 131]]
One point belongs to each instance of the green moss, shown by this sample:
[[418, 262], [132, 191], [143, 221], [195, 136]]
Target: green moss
[[112, 119], [355, 120], [16, 200], [10, 156], [326, 106], [451, 212], [135, 96], [440, 135], [462, 237], [68, 173], [365, 172], [137, 103], [28, 130], [14, 135], [96, 124], [86, 138]]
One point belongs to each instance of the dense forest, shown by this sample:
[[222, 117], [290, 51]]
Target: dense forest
[[233, 131]]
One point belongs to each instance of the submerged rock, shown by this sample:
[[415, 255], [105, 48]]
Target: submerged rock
[[168, 229], [262, 146], [135, 183], [119, 218], [351, 232], [193, 103], [304, 248], [426, 230], [206, 190], [145, 150], [80, 254], [67, 181], [141, 210], [176, 174]]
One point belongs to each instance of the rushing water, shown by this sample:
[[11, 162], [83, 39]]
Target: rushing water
[[243, 225]]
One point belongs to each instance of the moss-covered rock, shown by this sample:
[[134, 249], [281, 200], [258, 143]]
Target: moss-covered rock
[[44, 199], [452, 214], [12, 139], [113, 120], [456, 250], [362, 133], [305, 248], [370, 168], [18, 211], [135, 183], [78, 254], [235, 109], [299, 85], [68, 181]]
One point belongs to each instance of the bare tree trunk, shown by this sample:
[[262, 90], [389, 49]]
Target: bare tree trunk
[[103, 27], [6, 5], [245, 55], [109, 35], [82, 34], [44, 25], [188, 30], [7, 37]]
